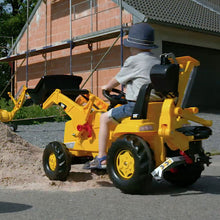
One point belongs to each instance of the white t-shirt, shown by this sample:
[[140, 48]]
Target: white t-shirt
[[135, 73]]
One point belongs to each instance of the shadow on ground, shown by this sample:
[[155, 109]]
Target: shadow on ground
[[8, 207], [205, 185]]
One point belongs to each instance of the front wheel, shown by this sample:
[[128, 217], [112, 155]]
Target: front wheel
[[130, 164], [56, 161]]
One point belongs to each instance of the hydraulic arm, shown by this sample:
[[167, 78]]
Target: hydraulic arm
[[6, 116]]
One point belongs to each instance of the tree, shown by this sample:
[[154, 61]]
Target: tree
[[13, 16]]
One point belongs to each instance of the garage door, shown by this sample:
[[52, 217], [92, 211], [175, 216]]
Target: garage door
[[205, 93]]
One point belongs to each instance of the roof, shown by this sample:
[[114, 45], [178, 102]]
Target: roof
[[200, 15]]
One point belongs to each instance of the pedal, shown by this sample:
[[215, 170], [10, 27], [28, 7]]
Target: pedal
[[171, 162]]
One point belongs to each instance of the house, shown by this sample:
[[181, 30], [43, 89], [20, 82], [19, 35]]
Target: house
[[183, 27]]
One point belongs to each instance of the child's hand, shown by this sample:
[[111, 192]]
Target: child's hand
[[110, 85]]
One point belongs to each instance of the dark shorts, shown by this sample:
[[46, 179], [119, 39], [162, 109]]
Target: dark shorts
[[122, 112]]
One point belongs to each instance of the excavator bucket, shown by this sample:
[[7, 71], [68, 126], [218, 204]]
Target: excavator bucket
[[68, 84]]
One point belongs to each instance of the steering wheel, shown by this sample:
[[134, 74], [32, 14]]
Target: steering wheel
[[115, 99]]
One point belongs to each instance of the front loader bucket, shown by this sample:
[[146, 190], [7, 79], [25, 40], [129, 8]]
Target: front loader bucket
[[68, 84]]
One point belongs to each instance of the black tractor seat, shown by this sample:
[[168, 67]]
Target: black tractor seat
[[164, 80], [68, 84]]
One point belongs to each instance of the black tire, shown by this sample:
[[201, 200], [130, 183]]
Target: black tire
[[184, 175], [130, 164], [13, 127], [56, 161]]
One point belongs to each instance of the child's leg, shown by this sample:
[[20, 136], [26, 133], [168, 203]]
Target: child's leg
[[99, 162], [109, 119], [105, 124]]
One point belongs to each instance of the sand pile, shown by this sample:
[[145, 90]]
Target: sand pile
[[21, 167]]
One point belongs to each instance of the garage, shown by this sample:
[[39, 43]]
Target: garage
[[206, 88]]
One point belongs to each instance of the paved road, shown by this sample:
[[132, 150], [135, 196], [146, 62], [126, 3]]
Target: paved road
[[199, 202]]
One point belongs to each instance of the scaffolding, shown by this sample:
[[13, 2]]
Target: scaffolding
[[94, 36]]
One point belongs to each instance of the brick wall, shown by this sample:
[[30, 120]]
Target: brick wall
[[55, 28]]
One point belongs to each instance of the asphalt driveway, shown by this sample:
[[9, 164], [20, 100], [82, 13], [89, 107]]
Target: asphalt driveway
[[198, 202]]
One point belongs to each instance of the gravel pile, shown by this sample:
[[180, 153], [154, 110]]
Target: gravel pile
[[21, 164], [20, 161]]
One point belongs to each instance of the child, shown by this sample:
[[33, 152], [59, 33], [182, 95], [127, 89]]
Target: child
[[134, 74]]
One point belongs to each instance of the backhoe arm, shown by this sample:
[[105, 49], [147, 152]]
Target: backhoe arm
[[6, 116], [70, 107]]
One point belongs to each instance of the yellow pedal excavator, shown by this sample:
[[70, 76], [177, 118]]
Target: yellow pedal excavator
[[157, 141]]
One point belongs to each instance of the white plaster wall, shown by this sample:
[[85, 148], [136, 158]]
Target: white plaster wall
[[176, 35]]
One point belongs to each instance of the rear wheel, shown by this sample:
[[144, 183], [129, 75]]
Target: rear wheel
[[56, 161], [13, 127], [130, 164], [184, 175]]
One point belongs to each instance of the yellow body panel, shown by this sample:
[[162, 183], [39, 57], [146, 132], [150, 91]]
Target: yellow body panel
[[84, 115], [186, 67], [79, 142]]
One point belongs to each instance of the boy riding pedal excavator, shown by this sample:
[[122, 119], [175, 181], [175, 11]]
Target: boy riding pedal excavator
[[134, 74], [147, 135]]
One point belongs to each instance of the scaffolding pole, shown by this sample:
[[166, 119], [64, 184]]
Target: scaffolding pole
[[122, 34], [12, 77], [27, 43], [90, 46], [71, 43], [45, 55]]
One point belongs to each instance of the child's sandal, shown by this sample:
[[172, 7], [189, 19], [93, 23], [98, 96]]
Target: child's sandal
[[96, 163]]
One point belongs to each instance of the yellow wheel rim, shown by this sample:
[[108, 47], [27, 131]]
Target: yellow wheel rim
[[125, 164], [52, 161]]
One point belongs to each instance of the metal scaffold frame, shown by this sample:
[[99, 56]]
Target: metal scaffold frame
[[90, 38]]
